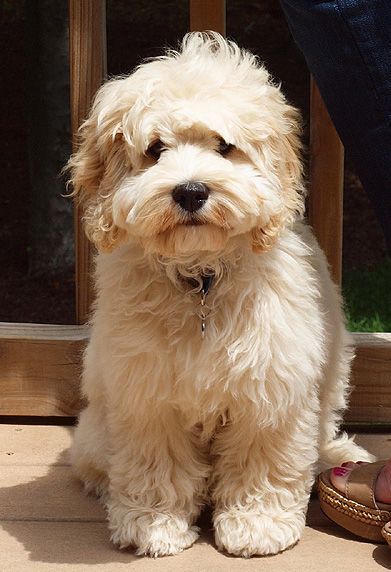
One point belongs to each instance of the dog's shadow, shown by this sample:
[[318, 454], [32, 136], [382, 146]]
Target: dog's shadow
[[56, 522]]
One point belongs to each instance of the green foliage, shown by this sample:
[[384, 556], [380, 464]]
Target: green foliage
[[367, 294]]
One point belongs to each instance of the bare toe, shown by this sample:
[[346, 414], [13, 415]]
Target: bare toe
[[339, 476]]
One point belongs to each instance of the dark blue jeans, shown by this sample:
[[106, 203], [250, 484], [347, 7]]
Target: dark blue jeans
[[347, 46]]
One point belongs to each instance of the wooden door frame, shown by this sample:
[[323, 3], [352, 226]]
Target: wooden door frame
[[40, 364]]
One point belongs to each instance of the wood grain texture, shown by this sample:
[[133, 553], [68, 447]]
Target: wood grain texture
[[87, 41], [326, 183], [207, 15], [40, 369], [371, 397]]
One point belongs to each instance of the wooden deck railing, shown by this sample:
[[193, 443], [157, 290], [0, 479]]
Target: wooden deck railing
[[40, 365], [87, 58]]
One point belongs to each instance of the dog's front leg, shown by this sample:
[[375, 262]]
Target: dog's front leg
[[157, 482], [261, 483]]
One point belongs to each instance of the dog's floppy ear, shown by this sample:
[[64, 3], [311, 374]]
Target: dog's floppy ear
[[263, 238], [98, 164], [283, 154]]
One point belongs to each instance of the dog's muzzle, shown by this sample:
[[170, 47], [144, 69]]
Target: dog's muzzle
[[191, 196]]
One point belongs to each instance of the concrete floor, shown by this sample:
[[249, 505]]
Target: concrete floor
[[47, 523]]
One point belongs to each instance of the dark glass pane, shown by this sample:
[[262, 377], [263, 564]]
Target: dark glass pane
[[139, 29], [261, 27], [366, 268], [36, 228]]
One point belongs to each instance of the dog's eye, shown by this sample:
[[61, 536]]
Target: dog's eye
[[154, 151], [224, 147]]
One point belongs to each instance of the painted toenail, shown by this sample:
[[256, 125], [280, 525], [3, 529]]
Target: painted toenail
[[340, 471]]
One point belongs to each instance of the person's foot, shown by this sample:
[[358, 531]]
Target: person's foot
[[339, 475]]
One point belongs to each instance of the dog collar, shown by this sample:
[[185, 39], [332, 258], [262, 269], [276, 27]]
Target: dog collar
[[206, 284]]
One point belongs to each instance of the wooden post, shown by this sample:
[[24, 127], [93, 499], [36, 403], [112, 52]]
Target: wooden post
[[87, 44], [207, 15], [326, 179]]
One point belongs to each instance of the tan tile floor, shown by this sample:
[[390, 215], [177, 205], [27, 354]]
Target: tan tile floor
[[47, 523]]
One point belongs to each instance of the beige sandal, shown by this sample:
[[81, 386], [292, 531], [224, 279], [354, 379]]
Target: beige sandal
[[386, 532], [356, 510]]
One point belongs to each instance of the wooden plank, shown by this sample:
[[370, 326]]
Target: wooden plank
[[371, 397], [326, 183], [40, 369], [87, 40], [207, 15]]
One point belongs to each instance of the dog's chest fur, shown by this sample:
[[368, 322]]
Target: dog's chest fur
[[255, 310]]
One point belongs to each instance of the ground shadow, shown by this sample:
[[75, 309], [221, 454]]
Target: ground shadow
[[382, 555]]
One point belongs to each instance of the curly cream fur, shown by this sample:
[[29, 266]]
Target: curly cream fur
[[241, 418]]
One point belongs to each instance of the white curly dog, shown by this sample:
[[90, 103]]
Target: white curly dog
[[218, 363]]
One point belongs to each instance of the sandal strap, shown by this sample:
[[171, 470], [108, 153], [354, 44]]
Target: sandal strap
[[360, 485]]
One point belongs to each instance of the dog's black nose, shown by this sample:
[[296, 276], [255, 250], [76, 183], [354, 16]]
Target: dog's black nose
[[191, 196]]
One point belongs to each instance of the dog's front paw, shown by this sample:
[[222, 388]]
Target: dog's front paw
[[151, 533], [248, 534]]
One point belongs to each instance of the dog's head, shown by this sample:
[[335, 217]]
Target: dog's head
[[190, 151]]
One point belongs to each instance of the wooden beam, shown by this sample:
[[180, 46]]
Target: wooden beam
[[370, 401], [40, 369], [207, 15], [326, 183], [87, 42]]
